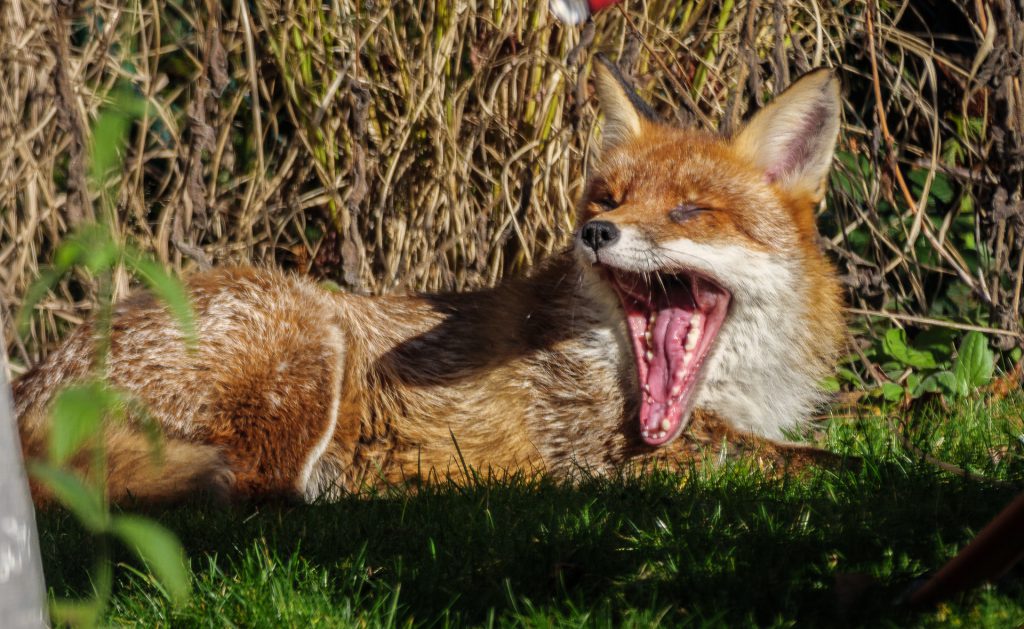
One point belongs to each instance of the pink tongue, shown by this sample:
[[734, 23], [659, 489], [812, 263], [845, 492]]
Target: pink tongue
[[667, 341]]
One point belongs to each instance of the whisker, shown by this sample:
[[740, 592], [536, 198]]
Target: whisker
[[664, 291]]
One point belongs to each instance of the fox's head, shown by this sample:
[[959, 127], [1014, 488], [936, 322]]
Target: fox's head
[[710, 244]]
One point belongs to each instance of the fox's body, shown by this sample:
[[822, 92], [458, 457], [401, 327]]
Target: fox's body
[[297, 390], [304, 390]]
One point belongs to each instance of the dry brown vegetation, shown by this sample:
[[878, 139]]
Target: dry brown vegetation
[[441, 145]]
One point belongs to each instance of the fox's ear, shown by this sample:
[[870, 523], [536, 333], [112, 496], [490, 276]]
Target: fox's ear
[[794, 136], [624, 112]]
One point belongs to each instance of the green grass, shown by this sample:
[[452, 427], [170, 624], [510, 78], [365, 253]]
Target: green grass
[[728, 547]]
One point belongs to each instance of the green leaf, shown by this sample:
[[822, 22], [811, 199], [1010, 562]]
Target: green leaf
[[941, 188], [101, 257], [953, 152], [830, 384], [91, 246], [110, 131], [77, 415], [895, 345], [946, 380], [850, 376], [35, 293], [331, 286], [912, 383], [966, 204], [939, 342], [892, 391], [69, 254], [892, 369], [160, 550], [975, 363], [86, 503], [85, 613], [171, 291], [938, 382], [927, 385]]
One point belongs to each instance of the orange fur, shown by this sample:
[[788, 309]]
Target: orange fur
[[298, 391]]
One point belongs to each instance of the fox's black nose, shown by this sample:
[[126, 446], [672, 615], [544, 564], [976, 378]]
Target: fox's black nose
[[597, 234]]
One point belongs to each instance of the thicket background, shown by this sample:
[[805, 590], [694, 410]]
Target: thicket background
[[441, 145]]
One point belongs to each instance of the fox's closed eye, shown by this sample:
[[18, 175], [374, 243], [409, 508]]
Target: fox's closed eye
[[685, 211], [606, 202]]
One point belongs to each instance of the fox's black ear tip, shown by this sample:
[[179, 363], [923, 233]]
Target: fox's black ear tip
[[608, 69], [824, 75], [823, 79], [604, 62], [613, 85]]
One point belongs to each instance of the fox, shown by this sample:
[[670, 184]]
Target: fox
[[693, 300]]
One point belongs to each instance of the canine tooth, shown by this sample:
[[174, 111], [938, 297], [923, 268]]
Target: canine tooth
[[696, 319], [645, 432], [665, 425], [692, 337], [675, 391]]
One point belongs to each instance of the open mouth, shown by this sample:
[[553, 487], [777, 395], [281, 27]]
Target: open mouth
[[673, 320]]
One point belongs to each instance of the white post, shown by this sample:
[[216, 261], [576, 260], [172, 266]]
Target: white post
[[22, 591]]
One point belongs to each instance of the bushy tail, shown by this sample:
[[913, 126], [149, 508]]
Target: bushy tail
[[136, 471], [178, 470]]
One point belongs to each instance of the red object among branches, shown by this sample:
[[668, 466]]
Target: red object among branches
[[576, 11]]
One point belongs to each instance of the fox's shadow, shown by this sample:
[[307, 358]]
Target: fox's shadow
[[729, 548]]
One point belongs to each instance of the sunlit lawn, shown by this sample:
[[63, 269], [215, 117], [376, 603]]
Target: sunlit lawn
[[728, 547]]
